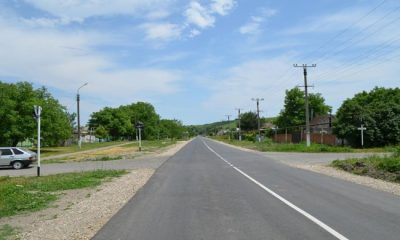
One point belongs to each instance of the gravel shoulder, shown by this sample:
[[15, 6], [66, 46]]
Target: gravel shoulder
[[79, 214], [319, 163]]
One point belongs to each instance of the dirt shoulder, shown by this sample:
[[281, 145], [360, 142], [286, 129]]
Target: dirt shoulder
[[79, 214]]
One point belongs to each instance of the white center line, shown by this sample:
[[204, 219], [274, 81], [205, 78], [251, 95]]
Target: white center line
[[301, 211]]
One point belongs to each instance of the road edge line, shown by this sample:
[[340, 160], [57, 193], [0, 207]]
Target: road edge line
[[288, 203]]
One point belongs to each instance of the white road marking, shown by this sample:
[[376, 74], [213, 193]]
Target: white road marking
[[301, 211]]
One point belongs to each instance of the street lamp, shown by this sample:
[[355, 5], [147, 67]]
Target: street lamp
[[258, 116], [79, 120]]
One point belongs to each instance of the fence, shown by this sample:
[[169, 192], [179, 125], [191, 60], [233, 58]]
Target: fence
[[329, 139]]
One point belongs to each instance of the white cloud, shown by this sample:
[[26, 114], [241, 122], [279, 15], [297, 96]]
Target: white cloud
[[82, 9], [158, 14], [194, 33], [65, 60], [198, 15], [253, 26], [222, 7], [161, 31]]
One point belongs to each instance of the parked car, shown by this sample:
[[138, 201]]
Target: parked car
[[16, 157]]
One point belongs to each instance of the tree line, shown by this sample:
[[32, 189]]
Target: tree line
[[119, 123], [57, 124], [378, 110]]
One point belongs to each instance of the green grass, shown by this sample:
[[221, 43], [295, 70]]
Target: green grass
[[22, 194], [68, 159], [152, 145], [268, 146], [106, 158], [52, 151], [6, 232], [386, 168]]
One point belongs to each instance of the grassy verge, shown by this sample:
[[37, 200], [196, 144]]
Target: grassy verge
[[269, 146], [78, 159], [6, 232], [151, 146], [52, 151], [127, 151], [22, 194], [386, 168]]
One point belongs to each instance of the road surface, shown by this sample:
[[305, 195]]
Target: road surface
[[211, 191]]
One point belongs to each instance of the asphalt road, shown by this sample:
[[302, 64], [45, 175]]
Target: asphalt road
[[212, 191]]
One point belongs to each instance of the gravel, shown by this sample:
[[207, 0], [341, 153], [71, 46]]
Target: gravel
[[79, 214]]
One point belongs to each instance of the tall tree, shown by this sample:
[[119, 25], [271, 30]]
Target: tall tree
[[248, 121], [17, 124], [293, 113], [378, 110]]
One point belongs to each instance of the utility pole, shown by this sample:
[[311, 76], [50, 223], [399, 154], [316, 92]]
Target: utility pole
[[258, 116], [240, 130], [305, 66], [229, 116], [37, 110], [362, 128], [79, 120]]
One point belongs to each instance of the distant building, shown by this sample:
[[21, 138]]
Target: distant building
[[323, 122]]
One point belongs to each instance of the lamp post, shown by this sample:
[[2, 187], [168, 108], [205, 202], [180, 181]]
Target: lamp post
[[79, 120], [258, 116]]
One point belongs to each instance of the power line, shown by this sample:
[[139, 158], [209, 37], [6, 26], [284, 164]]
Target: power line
[[324, 56]]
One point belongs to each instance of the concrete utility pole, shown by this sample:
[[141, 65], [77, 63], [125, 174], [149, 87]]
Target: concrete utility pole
[[258, 116], [240, 130], [38, 112], [305, 66], [229, 116], [362, 128], [79, 120]]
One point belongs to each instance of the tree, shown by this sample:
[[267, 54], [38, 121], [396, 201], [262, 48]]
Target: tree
[[115, 121], [17, 124], [101, 132], [120, 122], [293, 113], [378, 110], [248, 121], [171, 129]]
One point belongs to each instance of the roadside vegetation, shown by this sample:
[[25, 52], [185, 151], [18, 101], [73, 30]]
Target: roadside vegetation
[[53, 151], [7, 232], [385, 168], [269, 146], [126, 151], [26, 194]]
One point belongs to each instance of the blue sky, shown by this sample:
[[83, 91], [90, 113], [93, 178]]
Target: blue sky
[[198, 60]]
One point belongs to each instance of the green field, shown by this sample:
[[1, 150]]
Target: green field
[[24, 194]]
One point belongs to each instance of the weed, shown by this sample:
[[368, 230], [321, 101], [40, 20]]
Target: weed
[[386, 168], [21, 194], [6, 232]]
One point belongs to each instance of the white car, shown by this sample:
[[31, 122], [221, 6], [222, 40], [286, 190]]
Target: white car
[[16, 157]]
